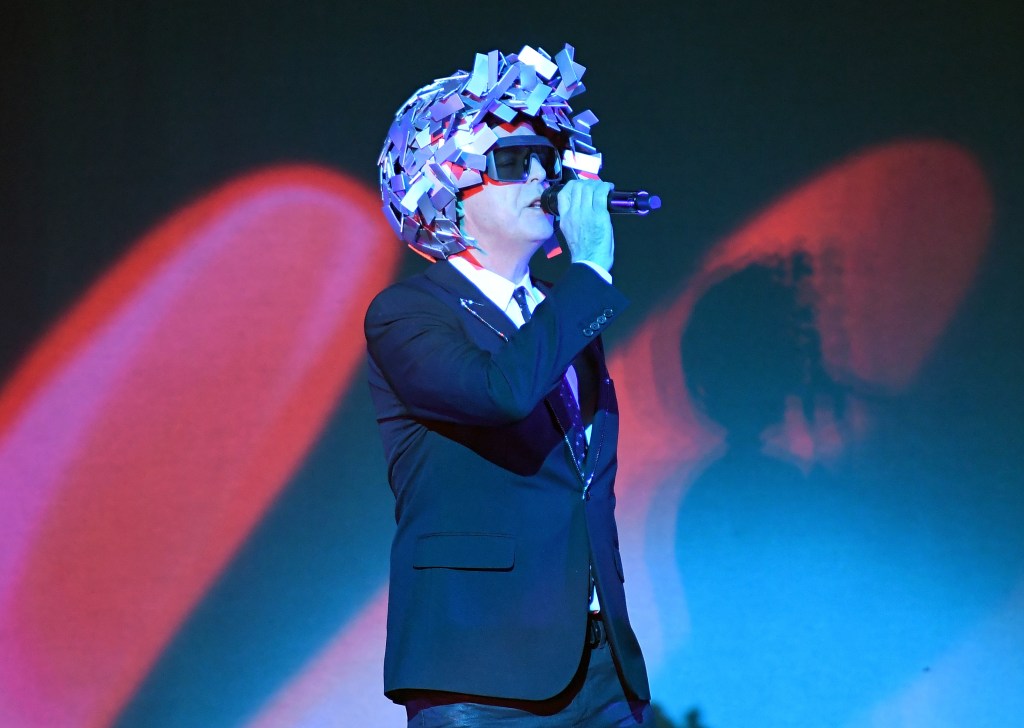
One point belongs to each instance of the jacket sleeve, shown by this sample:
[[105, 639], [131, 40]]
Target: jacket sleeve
[[418, 343]]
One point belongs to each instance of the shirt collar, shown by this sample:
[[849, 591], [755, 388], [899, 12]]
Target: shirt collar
[[495, 287]]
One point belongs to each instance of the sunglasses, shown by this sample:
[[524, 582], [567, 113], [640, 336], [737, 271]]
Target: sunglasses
[[509, 159]]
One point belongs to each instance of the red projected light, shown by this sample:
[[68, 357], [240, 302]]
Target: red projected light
[[146, 435], [894, 236]]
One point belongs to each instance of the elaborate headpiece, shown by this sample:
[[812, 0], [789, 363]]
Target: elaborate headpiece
[[437, 144]]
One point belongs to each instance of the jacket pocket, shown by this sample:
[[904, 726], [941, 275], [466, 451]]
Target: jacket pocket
[[481, 551]]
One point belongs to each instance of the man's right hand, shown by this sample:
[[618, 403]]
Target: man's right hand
[[585, 223]]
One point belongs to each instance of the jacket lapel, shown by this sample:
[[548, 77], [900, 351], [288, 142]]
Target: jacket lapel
[[561, 414], [471, 301], [605, 402]]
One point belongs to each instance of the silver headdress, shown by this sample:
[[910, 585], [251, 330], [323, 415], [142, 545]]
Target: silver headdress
[[437, 144]]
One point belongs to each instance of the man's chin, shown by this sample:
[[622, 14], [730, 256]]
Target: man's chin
[[542, 230]]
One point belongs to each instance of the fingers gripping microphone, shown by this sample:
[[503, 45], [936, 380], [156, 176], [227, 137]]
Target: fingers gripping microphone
[[619, 202]]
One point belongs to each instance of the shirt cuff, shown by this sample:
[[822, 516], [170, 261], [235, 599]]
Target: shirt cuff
[[597, 269]]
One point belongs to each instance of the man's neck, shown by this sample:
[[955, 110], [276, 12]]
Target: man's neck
[[510, 267]]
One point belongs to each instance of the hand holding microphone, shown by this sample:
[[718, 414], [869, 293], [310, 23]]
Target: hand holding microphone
[[584, 224]]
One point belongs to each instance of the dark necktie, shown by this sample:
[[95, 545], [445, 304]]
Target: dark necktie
[[577, 434]]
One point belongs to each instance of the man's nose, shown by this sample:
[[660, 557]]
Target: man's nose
[[537, 171]]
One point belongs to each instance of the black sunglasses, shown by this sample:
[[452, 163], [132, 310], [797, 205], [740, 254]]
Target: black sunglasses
[[510, 157]]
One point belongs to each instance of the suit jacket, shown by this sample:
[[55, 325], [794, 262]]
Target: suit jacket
[[496, 525]]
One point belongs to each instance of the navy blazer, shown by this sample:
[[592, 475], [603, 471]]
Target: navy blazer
[[496, 524]]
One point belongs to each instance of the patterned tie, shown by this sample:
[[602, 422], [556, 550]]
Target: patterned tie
[[577, 434]]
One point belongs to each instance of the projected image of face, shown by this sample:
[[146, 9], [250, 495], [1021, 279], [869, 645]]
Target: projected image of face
[[758, 370]]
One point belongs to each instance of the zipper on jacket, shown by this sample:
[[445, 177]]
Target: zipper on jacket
[[466, 303]]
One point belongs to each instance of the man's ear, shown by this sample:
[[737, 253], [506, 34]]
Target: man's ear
[[460, 214]]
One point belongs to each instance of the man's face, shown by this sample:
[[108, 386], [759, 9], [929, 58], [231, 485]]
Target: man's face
[[505, 217]]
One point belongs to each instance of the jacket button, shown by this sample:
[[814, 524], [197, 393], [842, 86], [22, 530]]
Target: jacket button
[[608, 312], [602, 319], [588, 332], [595, 326]]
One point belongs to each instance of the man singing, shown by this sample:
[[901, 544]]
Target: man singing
[[497, 413]]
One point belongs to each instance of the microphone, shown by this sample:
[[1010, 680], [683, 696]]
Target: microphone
[[620, 202]]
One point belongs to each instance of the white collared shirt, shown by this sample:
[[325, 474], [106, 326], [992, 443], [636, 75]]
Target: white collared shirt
[[498, 288]]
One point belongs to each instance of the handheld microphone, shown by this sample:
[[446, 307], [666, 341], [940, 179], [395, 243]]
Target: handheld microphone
[[620, 202]]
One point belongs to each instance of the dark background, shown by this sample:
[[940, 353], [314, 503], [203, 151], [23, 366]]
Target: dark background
[[116, 115]]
